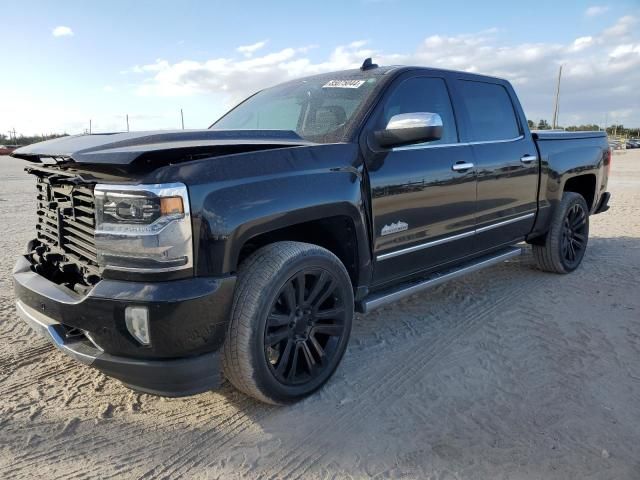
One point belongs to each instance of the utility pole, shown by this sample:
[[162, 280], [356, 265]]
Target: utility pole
[[182, 118], [127, 122], [89, 126], [557, 104]]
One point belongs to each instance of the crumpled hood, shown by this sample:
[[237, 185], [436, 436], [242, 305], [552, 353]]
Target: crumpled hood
[[125, 148]]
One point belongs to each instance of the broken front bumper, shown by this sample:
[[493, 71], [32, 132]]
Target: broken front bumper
[[188, 321]]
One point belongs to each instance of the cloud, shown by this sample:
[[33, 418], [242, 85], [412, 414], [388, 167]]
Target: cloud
[[623, 27], [596, 10], [62, 31], [601, 71], [249, 50], [581, 43], [238, 77], [159, 65]]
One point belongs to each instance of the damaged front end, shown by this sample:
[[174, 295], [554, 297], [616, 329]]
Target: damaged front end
[[64, 249]]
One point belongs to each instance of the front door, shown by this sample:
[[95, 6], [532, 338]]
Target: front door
[[423, 203]]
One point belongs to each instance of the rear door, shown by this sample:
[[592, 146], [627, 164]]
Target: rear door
[[422, 208], [506, 161]]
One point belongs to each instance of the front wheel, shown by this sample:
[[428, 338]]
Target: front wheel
[[290, 322], [565, 244]]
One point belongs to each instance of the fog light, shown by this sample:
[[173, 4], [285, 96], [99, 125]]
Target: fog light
[[137, 320]]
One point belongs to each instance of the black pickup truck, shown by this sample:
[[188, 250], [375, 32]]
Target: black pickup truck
[[167, 259]]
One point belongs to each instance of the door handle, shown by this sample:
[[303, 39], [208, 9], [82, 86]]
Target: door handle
[[461, 166], [528, 158]]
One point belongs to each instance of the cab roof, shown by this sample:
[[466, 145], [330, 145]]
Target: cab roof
[[394, 70]]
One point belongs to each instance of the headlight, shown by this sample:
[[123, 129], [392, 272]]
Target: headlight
[[143, 228]]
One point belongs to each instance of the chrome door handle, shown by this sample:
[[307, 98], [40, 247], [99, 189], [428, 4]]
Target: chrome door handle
[[528, 158], [460, 166]]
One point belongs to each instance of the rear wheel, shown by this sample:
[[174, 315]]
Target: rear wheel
[[290, 322], [565, 244]]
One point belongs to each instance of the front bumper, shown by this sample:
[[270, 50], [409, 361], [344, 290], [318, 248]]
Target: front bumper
[[170, 378], [187, 323]]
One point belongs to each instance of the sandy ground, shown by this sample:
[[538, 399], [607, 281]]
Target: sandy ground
[[507, 373]]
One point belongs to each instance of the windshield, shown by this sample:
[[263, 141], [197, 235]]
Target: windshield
[[319, 109]]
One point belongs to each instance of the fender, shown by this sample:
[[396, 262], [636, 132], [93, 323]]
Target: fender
[[562, 160], [235, 198]]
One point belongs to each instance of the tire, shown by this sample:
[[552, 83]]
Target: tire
[[563, 247], [292, 312]]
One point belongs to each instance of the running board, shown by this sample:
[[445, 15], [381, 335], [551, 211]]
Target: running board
[[376, 300]]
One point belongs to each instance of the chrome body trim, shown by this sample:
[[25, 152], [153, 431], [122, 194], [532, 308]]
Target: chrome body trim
[[452, 238], [383, 299], [433, 243], [460, 144], [508, 140], [420, 146], [505, 222]]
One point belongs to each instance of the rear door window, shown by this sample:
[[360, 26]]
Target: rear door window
[[490, 111]]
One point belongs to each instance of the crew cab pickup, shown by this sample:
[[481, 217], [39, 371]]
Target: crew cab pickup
[[172, 259]]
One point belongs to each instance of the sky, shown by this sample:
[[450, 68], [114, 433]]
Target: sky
[[67, 62]]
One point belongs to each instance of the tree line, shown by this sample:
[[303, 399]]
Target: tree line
[[28, 140], [615, 129]]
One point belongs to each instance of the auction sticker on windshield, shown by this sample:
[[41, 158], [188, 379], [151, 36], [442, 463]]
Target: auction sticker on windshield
[[344, 84]]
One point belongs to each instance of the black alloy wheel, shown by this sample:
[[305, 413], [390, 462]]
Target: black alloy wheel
[[304, 327], [574, 234], [289, 323], [562, 248]]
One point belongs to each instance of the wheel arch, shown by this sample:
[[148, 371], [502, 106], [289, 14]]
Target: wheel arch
[[339, 234], [584, 185]]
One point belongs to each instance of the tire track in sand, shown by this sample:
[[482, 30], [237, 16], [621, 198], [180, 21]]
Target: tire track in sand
[[23, 357], [214, 437], [404, 363], [394, 380]]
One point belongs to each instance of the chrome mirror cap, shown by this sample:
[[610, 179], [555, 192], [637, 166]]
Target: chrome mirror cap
[[408, 128], [414, 120]]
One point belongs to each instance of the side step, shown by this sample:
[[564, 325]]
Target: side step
[[376, 300]]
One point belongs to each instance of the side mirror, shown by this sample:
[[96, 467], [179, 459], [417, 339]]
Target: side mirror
[[408, 128]]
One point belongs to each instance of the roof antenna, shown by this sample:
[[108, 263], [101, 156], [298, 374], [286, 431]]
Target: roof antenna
[[368, 64]]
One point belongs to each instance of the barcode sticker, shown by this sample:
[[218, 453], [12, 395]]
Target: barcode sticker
[[344, 84]]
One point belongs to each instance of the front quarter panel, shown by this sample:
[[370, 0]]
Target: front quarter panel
[[237, 197]]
